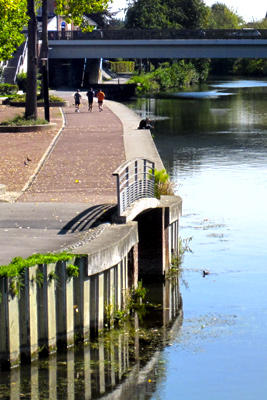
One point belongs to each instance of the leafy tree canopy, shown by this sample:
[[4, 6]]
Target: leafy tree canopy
[[162, 14], [74, 10], [223, 17], [12, 20]]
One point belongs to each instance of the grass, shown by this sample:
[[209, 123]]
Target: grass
[[20, 120], [21, 98]]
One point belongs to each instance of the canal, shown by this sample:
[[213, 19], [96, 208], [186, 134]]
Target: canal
[[213, 142], [200, 337]]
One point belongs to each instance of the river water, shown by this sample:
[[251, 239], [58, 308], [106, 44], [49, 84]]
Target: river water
[[213, 142], [204, 338]]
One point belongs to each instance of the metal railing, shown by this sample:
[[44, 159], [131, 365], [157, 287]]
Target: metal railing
[[135, 181], [21, 59], [149, 34]]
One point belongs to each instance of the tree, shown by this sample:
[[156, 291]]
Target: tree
[[195, 14], [223, 17], [74, 10], [70, 10], [31, 83], [12, 20], [147, 14], [163, 14]]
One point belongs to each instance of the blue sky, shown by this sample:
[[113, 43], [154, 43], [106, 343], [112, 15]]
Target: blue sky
[[249, 10]]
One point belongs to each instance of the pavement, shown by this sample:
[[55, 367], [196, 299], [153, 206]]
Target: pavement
[[65, 195]]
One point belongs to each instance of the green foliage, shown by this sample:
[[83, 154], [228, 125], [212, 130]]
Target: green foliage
[[7, 89], [21, 81], [73, 270], [134, 299], [15, 285], [250, 67], [223, 17], [168, 76], [17, 265], [148, 14], [52, 276], [74, 10], [167, 14], [38, 278], [13, 17], [122, 66], [136, 296], [20, 120], [177, 259], [163, 185]]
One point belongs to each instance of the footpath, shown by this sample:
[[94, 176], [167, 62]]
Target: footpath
[[60, 187]]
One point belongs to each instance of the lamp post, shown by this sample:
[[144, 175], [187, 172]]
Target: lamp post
[[45, 88]]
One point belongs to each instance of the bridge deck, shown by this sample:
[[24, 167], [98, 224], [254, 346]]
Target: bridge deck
[[158, 44]]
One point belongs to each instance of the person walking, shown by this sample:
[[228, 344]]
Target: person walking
[[90, 94], [100, 96], [77, 98]]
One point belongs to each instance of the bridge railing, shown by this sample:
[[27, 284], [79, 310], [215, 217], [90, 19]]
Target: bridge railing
[[135, 181], [146, 34]]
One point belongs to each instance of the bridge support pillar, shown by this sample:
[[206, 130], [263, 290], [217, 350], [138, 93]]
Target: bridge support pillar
[[158, 231]]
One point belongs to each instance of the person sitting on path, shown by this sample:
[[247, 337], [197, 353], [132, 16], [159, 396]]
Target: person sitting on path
[[145, 124], [77, 98], [100, 96], [90, 94]]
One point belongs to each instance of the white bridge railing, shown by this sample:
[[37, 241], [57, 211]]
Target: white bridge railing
[[135, 181]]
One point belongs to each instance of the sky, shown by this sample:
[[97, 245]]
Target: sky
[[251, 10]]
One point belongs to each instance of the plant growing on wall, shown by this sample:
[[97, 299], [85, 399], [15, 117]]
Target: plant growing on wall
[[52, 277], [18, 264], [15, 285], [163, 185], [73, 270]]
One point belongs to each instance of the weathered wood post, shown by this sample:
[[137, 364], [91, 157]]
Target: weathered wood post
[[9, 324]]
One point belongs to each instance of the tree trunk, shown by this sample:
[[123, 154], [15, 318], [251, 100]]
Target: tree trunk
[[31, 83]]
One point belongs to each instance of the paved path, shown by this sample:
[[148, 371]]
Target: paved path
[[73, 193], [80, 166]]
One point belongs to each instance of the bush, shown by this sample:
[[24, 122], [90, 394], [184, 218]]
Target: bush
[[22, 78], [21, 81], [7, 89]]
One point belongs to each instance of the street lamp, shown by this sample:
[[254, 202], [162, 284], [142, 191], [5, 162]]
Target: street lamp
[[45, 88]]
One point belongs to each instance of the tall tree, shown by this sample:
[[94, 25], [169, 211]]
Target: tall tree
[[223, 17], [147, 14], [162, 14], [74, 10], [31, 84], [70, 10], [13, 18]]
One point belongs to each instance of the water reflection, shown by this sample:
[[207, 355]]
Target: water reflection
[[215, 151], [117, 365]]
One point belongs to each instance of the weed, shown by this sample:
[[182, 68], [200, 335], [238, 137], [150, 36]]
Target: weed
[[15, 285], [72, 270], [52, 277], [163, 185], [38, 278]]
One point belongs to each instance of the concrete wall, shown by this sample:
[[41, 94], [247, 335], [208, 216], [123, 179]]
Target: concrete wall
[[111, 372], [45, 309]]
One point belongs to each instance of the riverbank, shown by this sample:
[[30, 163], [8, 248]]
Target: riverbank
[[69, 174]]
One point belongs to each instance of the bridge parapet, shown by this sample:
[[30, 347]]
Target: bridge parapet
[[135, 188], [149, 34]]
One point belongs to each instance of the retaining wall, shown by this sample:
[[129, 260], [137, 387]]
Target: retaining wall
[[45, 309]]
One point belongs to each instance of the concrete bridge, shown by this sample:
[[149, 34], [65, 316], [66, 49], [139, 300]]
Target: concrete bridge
[[242, 43]]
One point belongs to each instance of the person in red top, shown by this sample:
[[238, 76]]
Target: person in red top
[[100, 96]]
